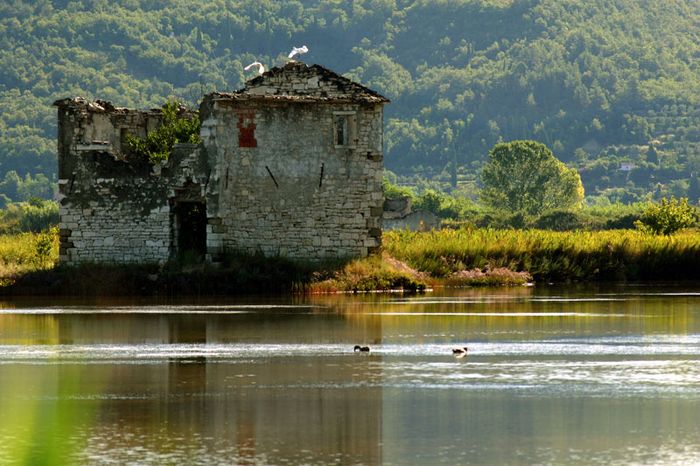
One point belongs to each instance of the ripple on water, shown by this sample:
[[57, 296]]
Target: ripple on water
[[629, 365]]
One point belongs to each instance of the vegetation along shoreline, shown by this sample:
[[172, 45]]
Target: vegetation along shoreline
[[410, 261]]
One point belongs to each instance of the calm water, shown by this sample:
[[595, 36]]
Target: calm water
[[552, 376]]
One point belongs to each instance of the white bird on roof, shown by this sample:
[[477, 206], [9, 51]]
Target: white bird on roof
[[298, 51], [261, 67]]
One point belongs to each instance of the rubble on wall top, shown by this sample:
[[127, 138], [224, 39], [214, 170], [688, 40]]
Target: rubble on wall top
[[96, 106], [294, 81], [283, 83]]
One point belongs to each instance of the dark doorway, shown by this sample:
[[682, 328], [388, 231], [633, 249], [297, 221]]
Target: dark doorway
[[191, 218]]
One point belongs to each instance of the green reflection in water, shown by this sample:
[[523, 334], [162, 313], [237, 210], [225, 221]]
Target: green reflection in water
[[237, 383], [42, 422]]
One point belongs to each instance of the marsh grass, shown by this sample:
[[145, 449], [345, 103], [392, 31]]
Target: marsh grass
[[551, 256], [500, 276], [374, 273], [22, 253], [411, 261]]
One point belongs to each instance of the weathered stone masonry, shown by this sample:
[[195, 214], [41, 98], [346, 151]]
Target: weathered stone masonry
[[290, 165]]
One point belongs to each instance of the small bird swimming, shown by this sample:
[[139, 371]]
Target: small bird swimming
[[298, 51], [362, 349], [261, 67], [460, 352]]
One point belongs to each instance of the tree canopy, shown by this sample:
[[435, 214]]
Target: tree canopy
[[525, 177], [612, 86]]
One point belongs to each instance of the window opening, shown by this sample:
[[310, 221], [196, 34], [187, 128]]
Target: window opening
[[341, 128], [344, 127]]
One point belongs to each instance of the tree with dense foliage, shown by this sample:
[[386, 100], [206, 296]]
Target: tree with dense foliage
[[525, 177], [668, 216], [607, 83]]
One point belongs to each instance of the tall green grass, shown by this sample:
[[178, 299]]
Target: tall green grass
[[27, 252], [410, 260], [551, 256]]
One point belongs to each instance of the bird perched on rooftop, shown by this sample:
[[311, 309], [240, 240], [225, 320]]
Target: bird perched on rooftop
[[361, 349], [460, 352], [298, 51], [261, 67]]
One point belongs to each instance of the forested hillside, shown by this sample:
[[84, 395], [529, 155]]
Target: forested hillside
[[611, 86]]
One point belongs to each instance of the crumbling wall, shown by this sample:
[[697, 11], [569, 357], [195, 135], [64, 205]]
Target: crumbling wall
[[294, 192], [291, 165], [419, 220], [115, 208]]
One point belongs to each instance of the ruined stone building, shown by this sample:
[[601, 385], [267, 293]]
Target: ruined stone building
[[399, 215], [290, 165]]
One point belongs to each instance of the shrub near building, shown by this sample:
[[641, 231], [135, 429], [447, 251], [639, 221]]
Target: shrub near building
[[668, 216]]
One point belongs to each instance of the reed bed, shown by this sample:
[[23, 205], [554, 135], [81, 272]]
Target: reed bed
[[374, 273], [27, 252], [551, 256], [410, 261]]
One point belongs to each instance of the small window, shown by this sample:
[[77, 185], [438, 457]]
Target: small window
[[341, 130], [344, 129]]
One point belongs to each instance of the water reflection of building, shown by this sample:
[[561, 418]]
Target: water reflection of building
[[322, 408], [257, 406], [296, 405]]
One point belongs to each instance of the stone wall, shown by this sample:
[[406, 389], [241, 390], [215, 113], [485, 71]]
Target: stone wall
[[291, 166], [299, 81], [113, 208], [419, 220], [295, 193]]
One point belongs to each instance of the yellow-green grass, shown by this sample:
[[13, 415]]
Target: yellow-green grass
[[410, 261], [27, 252], [374, 273], [551, 256]]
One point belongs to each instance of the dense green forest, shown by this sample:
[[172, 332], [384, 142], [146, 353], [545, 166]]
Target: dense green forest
[[612, 87]]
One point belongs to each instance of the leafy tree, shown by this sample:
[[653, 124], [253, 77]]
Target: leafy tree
[[177, 127], [525, 177], [564, 73], [667, 217]]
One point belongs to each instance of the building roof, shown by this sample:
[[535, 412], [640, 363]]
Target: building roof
[[299, 82]]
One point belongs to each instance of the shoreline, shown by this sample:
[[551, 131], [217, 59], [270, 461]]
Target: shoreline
[[410, 261], [147, 282]]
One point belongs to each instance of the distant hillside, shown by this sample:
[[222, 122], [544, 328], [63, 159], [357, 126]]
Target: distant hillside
[[611, 86]]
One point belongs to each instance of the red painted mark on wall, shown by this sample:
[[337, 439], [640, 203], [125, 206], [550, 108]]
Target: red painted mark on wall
[[246, 129]]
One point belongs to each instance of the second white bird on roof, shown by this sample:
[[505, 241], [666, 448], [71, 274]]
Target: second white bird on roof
[[298, 51]]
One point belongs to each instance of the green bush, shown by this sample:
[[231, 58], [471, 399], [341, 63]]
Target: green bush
[[44, 245], [394, 191], [623, 222], [178, 126], [35, 215], [667, 217], [446, 206], [560, 220]]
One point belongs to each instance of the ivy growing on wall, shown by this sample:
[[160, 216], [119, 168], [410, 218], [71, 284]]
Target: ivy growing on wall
[[178, 126]]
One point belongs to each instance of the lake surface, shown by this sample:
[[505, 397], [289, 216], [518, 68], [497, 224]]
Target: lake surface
[[553, 375]]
